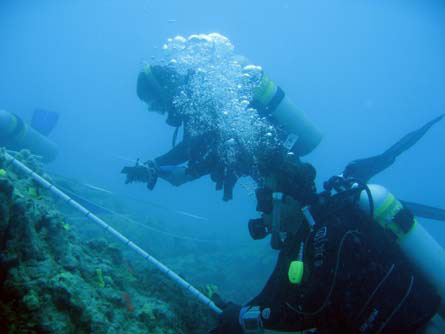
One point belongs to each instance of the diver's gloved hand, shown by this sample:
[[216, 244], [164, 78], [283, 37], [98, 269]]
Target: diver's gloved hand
[[228, 320], [229, 183], [217, 176], [146, 173], [225, 180]]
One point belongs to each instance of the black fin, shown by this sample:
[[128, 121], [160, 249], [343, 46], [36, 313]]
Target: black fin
[[44, 121], [425, 211], [365, 169]]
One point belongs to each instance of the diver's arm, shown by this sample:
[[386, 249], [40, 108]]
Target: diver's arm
[[168, 164], [176, 156]]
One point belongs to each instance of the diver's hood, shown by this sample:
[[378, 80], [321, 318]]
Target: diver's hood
[[296, 179], [158, 83]]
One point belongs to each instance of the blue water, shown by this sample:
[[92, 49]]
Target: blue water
[[366, 72]]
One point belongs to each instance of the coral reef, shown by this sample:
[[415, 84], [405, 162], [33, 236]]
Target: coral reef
[[54, 280]]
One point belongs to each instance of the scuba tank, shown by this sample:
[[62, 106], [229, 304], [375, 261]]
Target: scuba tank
[[159, 83], [416, 243], [15, 134], [271, 101]]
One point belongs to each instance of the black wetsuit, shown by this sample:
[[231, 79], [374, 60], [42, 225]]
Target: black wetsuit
[[197, 151], [200, 153], [356, 280]]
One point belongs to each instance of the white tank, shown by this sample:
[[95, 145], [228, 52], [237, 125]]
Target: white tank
[[303, 135], [308, 136], [270, 99], [17, 135], [416, 243]]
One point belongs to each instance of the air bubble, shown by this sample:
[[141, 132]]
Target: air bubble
[[244, 103]]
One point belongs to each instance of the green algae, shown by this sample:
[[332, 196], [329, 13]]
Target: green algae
[[100, 279]]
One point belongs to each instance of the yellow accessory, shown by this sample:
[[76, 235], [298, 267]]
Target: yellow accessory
[[296, 268], [295, 273]]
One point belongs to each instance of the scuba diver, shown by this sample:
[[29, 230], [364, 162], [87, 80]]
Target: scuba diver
[[159, 85], [352, 259], [16, 134]]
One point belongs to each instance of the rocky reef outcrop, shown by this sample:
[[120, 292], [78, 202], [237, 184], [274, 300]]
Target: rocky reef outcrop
[[54, 281]]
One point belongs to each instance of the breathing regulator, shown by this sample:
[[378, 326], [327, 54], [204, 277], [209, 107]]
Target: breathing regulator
[[281, 199]]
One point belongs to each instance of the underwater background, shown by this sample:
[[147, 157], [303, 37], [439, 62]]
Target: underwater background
[[365, 72]]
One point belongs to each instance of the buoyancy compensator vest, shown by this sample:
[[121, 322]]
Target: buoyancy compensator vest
[[360, 277]]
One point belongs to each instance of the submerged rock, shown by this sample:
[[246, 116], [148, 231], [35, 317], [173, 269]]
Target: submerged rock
[[52, 281]]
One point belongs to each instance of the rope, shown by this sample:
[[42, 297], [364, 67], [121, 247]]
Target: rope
[[132, 221]]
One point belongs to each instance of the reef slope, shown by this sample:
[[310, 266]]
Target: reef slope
[[54, 281]]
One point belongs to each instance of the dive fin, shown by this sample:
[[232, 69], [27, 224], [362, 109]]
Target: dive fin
[[365, 169], [425, 211], [410, 139], [44, 121]]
